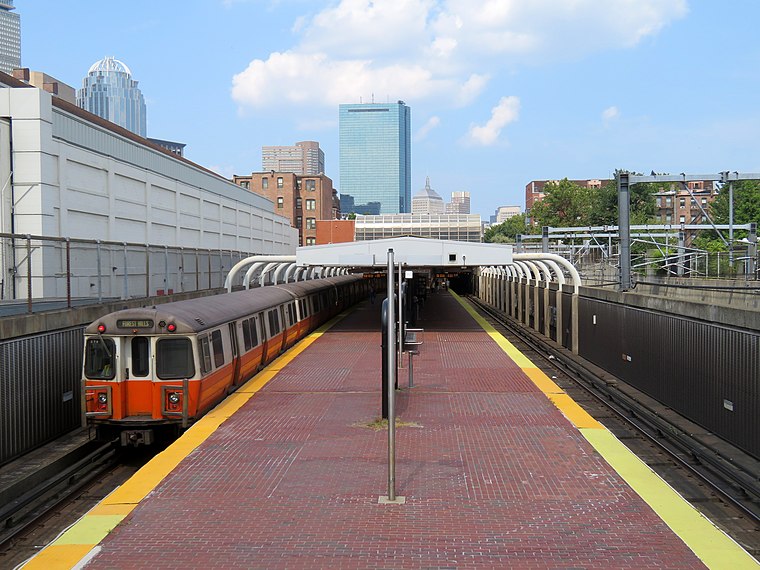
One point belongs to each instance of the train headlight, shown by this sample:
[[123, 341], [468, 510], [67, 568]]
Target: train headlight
[[171, 327], [102, 398], [101, 329], [173, 398]]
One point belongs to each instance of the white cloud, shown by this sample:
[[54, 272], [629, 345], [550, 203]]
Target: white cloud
[[506, 112], [445, 50], [610, 114], [423, 132], [340, 81]]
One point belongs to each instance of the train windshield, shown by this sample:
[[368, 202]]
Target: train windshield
[[100, 358], [174, 358]]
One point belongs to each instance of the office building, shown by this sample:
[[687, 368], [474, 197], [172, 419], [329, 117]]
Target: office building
[[305, 158], [375, 156], [10, 37], [503, 213], [70, 173], [460, 203], [458, 227], [301, 199], [110, 92], [427, 201]]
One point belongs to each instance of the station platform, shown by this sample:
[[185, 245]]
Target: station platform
[[497, 466]]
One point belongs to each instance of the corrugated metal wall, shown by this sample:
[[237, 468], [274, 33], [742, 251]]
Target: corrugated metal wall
[[40, 400], [706, 372]]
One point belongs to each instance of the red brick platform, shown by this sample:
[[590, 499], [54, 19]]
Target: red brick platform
[[493, 474]]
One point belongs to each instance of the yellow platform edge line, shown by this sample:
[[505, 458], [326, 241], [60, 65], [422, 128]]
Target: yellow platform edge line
[[709, 543], [76, 543]]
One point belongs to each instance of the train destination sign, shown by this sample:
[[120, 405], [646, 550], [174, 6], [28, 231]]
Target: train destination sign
[[134, 324]]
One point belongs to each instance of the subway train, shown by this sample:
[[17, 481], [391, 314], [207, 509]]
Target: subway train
[[150, 372]]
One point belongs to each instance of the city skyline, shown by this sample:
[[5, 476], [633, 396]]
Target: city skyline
[[502, 95]]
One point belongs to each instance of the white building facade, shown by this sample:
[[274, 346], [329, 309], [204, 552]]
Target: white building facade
[[65, 175]]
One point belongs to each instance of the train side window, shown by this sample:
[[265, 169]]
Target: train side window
[[100, 359], [254, 331], [205, 355], [274, 322], [140, 356], [174, 358], [218, 348], [247, 334], [292, 313]]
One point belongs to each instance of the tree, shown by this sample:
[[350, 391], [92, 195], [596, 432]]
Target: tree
[[506, 231], [746, 210], [565, 204]]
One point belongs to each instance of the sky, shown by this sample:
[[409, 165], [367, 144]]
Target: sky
[[501, 92]]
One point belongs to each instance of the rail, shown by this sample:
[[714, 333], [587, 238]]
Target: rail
[[40, 270]]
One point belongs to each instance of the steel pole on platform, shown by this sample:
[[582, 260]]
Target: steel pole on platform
[[391, 356]]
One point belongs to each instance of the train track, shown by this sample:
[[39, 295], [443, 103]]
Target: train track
[[58, 497], [722, 484]]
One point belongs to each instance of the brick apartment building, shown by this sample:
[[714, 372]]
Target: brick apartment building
[[302, 199], [677, 206]]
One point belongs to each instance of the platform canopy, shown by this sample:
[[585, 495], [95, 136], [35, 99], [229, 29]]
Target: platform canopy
[[411, 251]]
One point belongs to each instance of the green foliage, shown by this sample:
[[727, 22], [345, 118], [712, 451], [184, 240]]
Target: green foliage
[[506, 231], [746, 210], [566, 204]]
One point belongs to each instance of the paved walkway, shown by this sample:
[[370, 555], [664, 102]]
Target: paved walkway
[[493, 472]]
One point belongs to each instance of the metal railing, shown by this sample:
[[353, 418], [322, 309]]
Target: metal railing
[[68, 271]]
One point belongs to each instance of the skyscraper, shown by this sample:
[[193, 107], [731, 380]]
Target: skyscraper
[[460, 203], [427, 201], [10, 37], [375, 155], [305, 158], [110, 92]]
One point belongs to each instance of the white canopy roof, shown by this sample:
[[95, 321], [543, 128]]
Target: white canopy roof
[[411, 251]]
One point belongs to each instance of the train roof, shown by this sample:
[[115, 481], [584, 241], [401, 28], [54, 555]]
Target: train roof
[[195, 315]]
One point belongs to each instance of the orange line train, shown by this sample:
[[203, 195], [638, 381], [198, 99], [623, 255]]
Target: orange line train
[[150, 372]]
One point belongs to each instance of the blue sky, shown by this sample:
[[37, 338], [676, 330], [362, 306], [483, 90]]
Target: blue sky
[[502, 91]]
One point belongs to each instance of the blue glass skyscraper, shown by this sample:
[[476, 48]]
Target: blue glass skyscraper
[[376, 157], [110, 92]]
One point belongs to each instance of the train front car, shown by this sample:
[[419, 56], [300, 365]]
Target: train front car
[[150, 372], [140, 375]]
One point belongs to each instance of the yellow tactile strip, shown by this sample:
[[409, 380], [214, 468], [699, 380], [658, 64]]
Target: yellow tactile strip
[[711, 545], [74, 545]]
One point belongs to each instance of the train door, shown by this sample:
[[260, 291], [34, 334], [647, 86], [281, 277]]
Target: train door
[[137, 386], [234, 342]]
